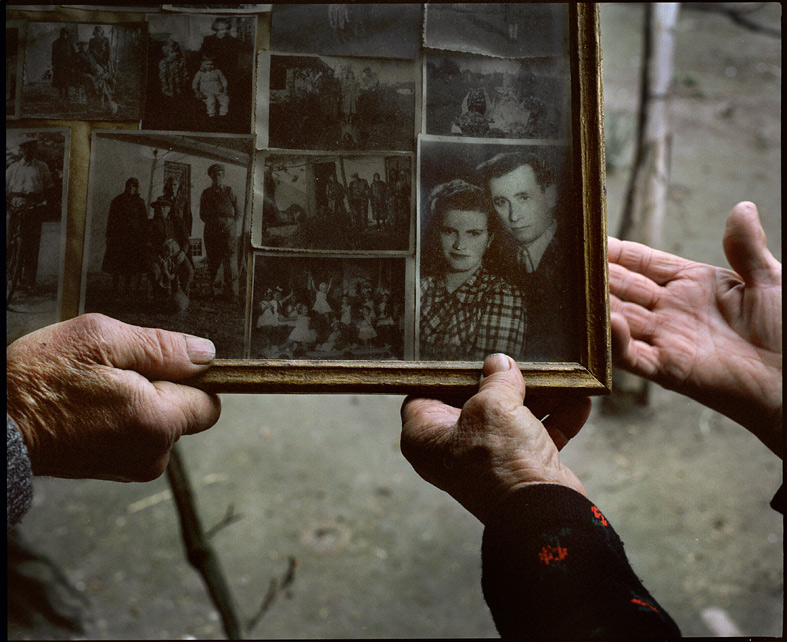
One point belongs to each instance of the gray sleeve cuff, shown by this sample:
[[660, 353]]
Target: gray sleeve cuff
[[19, 476]]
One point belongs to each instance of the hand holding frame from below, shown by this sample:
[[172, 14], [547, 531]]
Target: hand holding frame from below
[[492, 446]]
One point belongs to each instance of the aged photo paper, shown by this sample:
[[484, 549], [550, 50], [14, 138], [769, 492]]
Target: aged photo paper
[[36, 183]]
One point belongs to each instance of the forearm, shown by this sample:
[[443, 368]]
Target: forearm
[[19, 475], [553, 567], [759, 411]]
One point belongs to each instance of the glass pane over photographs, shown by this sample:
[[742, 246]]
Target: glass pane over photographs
[[84, 71], [359, 148], [319, 308], [334, 202], [36, 181], [169, 220], [200, 73]]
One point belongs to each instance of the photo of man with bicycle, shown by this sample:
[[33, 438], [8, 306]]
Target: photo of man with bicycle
[[33, 192]]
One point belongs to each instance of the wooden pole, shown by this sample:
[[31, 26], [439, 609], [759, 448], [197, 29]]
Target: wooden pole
[[646, 198]]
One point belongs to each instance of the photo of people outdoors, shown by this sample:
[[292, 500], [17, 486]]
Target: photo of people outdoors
[[503, 29], [200, 73], [352, 29], [36, 178], [492, 213], [83, 71], [168, 227], [347, 202], [327, 103], [483, 97], [315, 308]]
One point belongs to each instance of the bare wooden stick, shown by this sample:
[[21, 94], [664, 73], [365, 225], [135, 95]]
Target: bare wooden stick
[[198, 551]]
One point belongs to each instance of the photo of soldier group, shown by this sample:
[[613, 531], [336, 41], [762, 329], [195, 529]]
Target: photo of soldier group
[[36, 173], [310, 308], [200, 73], [326, 103], [363, 29], [342, 203], [483, 97], [168, 228], [83, 71]]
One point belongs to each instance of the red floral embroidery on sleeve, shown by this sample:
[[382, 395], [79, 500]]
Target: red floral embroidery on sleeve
[[599, 516], [643, 603], [551, 554]]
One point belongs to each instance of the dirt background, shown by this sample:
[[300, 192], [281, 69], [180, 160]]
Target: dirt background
[[383, 554]]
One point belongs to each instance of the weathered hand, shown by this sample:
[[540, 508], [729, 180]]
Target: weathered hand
[[710, 333], [93, 397], [494, 444]]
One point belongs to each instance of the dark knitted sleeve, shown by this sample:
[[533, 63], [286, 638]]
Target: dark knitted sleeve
[[553, 567], [19, 475]]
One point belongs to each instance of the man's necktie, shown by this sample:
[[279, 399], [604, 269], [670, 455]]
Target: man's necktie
[[525, 261]]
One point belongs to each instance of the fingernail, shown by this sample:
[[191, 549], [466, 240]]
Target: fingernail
[[497, 362], [201, 351]]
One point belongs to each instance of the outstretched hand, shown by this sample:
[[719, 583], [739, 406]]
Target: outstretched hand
[[710, 333], [94, 397], [493, 445]]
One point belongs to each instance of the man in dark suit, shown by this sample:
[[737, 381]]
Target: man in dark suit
[[534, 249]]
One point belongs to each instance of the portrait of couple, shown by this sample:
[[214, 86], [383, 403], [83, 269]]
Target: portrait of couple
[[500, 269]]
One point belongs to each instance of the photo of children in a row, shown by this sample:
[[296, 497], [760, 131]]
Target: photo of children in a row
[[310, 308]]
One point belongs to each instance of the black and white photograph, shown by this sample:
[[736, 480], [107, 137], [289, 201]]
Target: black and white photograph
[[328, 103], [352, 29], [14, 66], [167, 232], [505, 29], [84, 71], [318, 308], [36, 180], [499, 240], [334, 202], [484, 97], [200, 73]]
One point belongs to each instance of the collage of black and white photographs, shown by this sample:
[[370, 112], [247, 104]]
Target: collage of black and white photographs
[[374, 182]]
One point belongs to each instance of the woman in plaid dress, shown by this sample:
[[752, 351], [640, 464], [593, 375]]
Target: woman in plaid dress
[[466, 312]]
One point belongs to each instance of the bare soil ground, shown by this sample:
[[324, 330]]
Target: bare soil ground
[[381, 553]]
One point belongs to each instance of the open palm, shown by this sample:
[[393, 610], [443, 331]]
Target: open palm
[[711, 333]]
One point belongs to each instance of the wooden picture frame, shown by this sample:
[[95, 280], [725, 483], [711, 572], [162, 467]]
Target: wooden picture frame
[[589, 373]]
